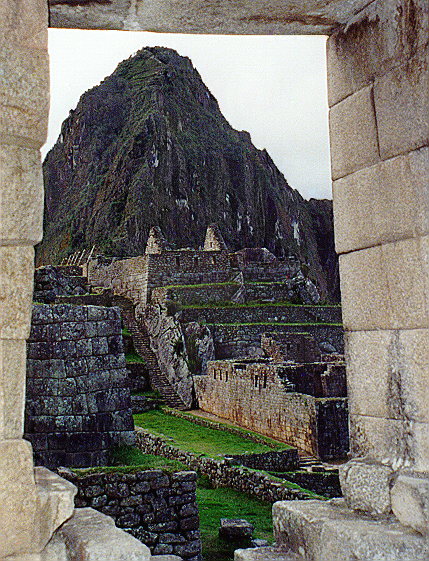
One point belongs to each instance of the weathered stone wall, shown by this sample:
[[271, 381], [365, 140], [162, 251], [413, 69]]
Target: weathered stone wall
[[136, 277], [254, 396], [138, 376], [318, 379], [269, 291], [268, 314], [78, 398], [52, 281], [286, 460], [195, 294], [126, 277], [234, 341], [324, 483], [281, 347], [220, 472], [188, 266], [156, 507], [378, 81]]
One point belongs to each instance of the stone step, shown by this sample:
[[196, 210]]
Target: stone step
[[92, 536], [266, 554], [158, 380], [330, 531]]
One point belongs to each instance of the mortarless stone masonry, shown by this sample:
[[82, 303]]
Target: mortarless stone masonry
[[78, 398], [220, 472], [156, 507], [260, 396]]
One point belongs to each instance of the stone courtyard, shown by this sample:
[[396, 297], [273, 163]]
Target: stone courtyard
[[378, 94]]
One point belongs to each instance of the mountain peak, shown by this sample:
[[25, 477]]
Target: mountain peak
[[150, 147]]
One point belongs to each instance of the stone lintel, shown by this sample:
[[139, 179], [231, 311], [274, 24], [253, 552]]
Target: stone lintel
[[204, 16]]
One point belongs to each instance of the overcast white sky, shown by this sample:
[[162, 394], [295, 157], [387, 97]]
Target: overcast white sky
[[274, 87]]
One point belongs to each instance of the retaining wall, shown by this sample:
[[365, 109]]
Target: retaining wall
[[220, 472], [156, 507], [234, 341], [196, 294], [251, 314]]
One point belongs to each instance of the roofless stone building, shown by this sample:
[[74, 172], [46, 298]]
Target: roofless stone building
[[378, 82]]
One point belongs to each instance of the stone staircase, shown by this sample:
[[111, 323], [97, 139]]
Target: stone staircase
[[158, 380]]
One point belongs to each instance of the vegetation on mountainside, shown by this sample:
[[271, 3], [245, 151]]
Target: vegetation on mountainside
[[149, 146]]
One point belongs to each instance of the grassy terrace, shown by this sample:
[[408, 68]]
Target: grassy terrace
[[254, 304], [274, 323], [201, 285], [213, 504], [186, 435], [127, 459]]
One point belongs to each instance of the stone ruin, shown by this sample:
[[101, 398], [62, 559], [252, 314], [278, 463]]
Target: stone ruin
[[78, 404], [377, 65], [301, 402]]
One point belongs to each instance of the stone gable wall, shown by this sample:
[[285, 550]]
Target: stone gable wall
[[253, 396], [156, 507], [78, 398]]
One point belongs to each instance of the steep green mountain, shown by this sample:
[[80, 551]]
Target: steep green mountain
[[149, 146]]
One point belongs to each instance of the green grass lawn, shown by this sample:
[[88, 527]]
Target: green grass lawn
[[250, 304], [126, 459], [134, 357], [223, 502], [197, 439]]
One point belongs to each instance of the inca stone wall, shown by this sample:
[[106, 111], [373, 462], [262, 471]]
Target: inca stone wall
[[241, 339], [378, 79], [220, 472], [78, 398], [254, 396], [136, 277], [127, 277], [266, 313], [195, 294], [156, 507]]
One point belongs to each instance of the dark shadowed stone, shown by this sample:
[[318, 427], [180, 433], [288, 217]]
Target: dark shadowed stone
[[235, 529]]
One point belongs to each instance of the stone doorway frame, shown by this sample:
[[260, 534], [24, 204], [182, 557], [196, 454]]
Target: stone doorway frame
[[378, 97]]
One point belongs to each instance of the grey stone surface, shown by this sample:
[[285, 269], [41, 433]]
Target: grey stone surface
[[78, 399], [327, 531], [156, 507], [197, 16], [92, 536], [165, 558], [410, 501], [235, 529], [266, 554], [366, 486]]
